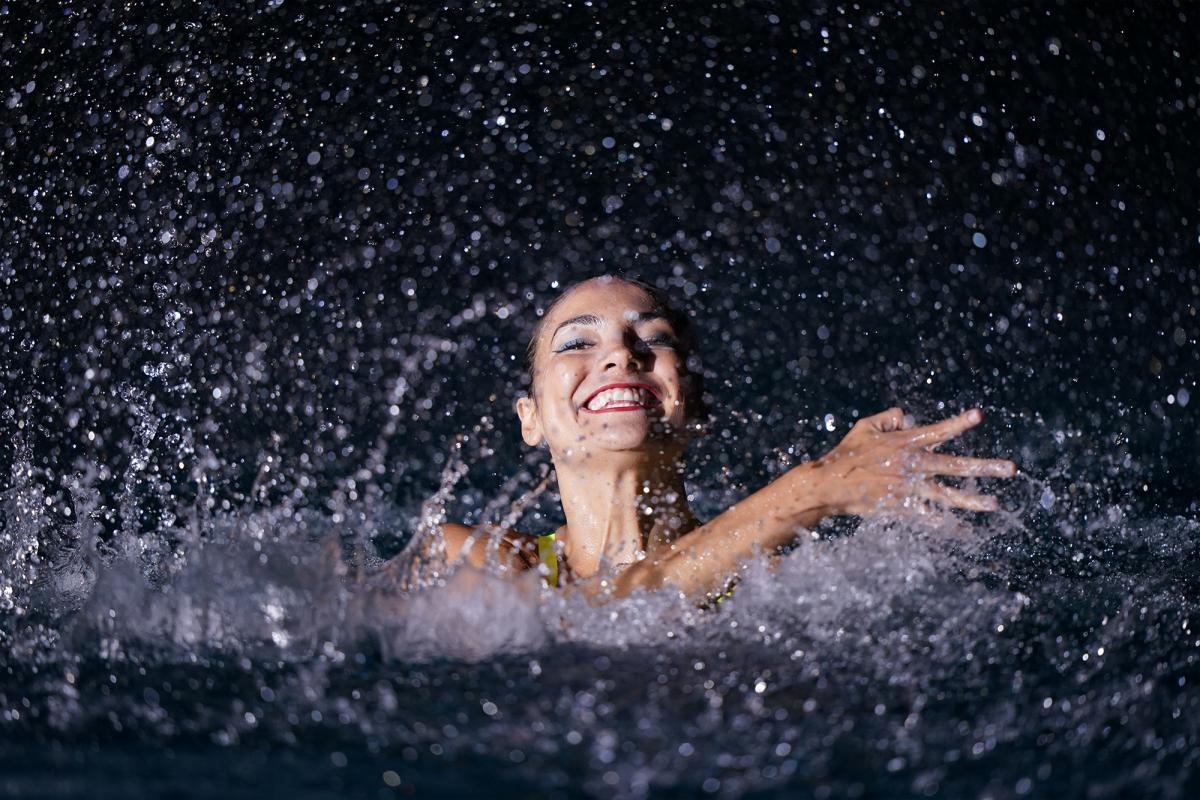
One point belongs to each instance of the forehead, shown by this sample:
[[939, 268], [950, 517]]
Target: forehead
[[615, 299]]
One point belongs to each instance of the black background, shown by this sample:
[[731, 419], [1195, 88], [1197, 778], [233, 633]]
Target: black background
[[228, 229]]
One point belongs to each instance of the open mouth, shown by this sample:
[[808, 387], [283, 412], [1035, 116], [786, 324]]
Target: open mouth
[[623, 397]]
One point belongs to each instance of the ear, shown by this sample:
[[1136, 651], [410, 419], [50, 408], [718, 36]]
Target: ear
[[531, 422]]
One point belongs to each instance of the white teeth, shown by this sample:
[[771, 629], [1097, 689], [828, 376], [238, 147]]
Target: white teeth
[[610, 398]]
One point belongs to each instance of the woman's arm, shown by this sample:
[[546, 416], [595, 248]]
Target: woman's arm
[[885, 464]]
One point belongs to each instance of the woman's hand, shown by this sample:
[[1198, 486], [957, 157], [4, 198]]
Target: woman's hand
[[885, 464], [888, 464]]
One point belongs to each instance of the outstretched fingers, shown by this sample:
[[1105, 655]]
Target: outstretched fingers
[[950, 497], [888, 464], [966, 467], [939, 432], [894, 419]]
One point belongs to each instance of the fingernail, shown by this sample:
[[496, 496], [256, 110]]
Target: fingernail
[[974, 415]]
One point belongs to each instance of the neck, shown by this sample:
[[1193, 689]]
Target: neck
[[619, 511]]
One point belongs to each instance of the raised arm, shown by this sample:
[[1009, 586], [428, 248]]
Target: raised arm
[[885, 464]]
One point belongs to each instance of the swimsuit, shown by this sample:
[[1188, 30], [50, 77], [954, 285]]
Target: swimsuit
[[548, 556]]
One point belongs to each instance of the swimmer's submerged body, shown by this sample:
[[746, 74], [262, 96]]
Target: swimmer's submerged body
[[615, 400]]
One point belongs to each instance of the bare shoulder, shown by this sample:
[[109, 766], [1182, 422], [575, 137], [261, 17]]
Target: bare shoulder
[[456, 536], [463, 542]]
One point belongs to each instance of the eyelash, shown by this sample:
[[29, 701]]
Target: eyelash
[[573, 344], [578, 344]]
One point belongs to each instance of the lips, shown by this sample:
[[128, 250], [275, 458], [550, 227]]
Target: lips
[[622, 397]]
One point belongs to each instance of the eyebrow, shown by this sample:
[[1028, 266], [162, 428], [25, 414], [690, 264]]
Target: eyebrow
[[594, 321]]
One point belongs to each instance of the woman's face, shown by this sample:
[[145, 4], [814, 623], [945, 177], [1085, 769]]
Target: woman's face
[[607, 376]]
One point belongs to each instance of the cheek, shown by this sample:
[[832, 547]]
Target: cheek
[[554, 384], [689, 393], [671, 370], [567, 375]]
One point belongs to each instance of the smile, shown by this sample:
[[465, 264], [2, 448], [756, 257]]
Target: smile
[[622, 397]]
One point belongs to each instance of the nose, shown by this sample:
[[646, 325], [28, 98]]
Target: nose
[[626, 354]]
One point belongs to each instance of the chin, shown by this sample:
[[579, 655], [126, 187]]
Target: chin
[[623, 439], [656, 437]]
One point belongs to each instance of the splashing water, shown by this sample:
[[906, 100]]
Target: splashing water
[[265, 281]]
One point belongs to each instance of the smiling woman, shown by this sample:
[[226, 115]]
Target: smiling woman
[[615, 395]]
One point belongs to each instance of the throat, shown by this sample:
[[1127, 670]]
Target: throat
[[615, 519]]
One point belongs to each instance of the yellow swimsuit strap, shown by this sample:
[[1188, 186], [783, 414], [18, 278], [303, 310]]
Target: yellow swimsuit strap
[[725, 595], [548, 555]]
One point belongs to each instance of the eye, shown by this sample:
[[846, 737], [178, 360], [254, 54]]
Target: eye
[[660, 340], [572, 344]]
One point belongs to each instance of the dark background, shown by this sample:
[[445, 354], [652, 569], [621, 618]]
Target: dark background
[[229, 230]]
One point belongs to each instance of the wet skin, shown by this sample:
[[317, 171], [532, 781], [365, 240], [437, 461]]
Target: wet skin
[[600, 336], [609, 402]]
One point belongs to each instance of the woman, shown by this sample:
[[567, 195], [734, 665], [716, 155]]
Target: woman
[[615, 401]]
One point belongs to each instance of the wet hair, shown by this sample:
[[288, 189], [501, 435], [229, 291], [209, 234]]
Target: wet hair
[[680, 323]]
